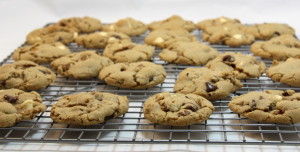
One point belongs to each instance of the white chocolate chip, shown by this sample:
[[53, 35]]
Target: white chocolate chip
[[28, 104], [242, 63], [225, 28], [61, 47], [112, 27], [75, 34], [159, 40], [102, 33], [278, 97], [237, 36], [173, 95], [222, 20], [111, 39]]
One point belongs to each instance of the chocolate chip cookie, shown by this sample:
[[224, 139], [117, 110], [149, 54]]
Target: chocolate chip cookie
[[202, 25], [164, 38], [25, 75], [274, 106], [88, 108], [52, 33], [83, 25], [207, 83], [125, 51], [194, 53], [128, 26], [278, 48], [177, 109], [41, 53], [228, 34], [287, 72], [81, 65], [136, 75], [173, 22], [267, 31], [244, 66], [100, 39], [17, 105]]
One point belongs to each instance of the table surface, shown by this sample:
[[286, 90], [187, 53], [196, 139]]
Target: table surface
[[19, 17]]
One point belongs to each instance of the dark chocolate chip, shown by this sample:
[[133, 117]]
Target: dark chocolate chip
[[228, 58], [28, 66], [210, 87], [184, 113], [3, 83], [275, 34], [11, 99], [272, 107], [164, 107], [192, 108], [109, 117], [66, 67], [261, 98], [83, 58], [285, 93], [117, 37]]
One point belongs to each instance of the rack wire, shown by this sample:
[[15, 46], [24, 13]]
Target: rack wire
[[223, 126]]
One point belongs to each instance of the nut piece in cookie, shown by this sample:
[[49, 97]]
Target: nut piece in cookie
[[41, 53], [244, 66], [202, 25], [287, 72], [17, 105], [278, 48], [136, 75], [25, 75], [164, 38], [273, 106], [125, 51], [177, 109], [207, 83], [100, 39], [88, 108], [81, 65], [82, 25], [173, 23], [194, 53], [128, 26]]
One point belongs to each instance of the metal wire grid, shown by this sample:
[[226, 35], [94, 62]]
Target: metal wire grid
[[222, 127]]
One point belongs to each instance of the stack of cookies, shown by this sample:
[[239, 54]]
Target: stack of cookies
[[111, 56]]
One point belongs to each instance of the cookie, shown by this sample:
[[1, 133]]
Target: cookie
[[287, 72], [202, 25], [267, 31], [25, 75], [207, 83], [229, 34], [52, 33], [128, 26], [177, 109], [194, 53], [244, 66], [278, 48], [164, 38], [88, 108], [81, 65], [125, 51], [273, 106], [82, 25], [41, 53], [171, 23], [136, 75], [100, 39], [17, 105]]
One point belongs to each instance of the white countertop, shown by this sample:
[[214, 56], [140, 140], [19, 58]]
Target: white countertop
[[19, 17]]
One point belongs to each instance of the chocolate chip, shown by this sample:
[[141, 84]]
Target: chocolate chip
[[109, 117], [122, 69], [252, 104], [164, 107], [272, 107], [228, 58], [192, 108], [83, 58], [28, 66], [261, 98], [275, 34], [11, 99], [117, 37], [66, 67], [3, 83], [278, 112], [210, 87], [184, 113], [44, 72], [285, 93]]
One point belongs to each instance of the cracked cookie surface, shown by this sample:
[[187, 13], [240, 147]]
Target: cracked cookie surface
[[177, 109], [52, 33], [194, 53], [278, 48], [287, 72], [228, 34], [136, 75], [164, 38], [41, 53], [88, 108], [267, 31], [25, 75], [244, 66], [82, 25], [17, 105], [171, 23], [202, 25], [100, 39], [128, 26], [273, 106], [207, 83], [81, 65], [123, 51]]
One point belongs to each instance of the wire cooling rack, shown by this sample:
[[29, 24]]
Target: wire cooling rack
[[223, 126]]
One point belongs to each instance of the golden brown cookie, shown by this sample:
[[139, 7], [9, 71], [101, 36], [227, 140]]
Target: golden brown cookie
[[83, 25], [202, 25], [171, 23]]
